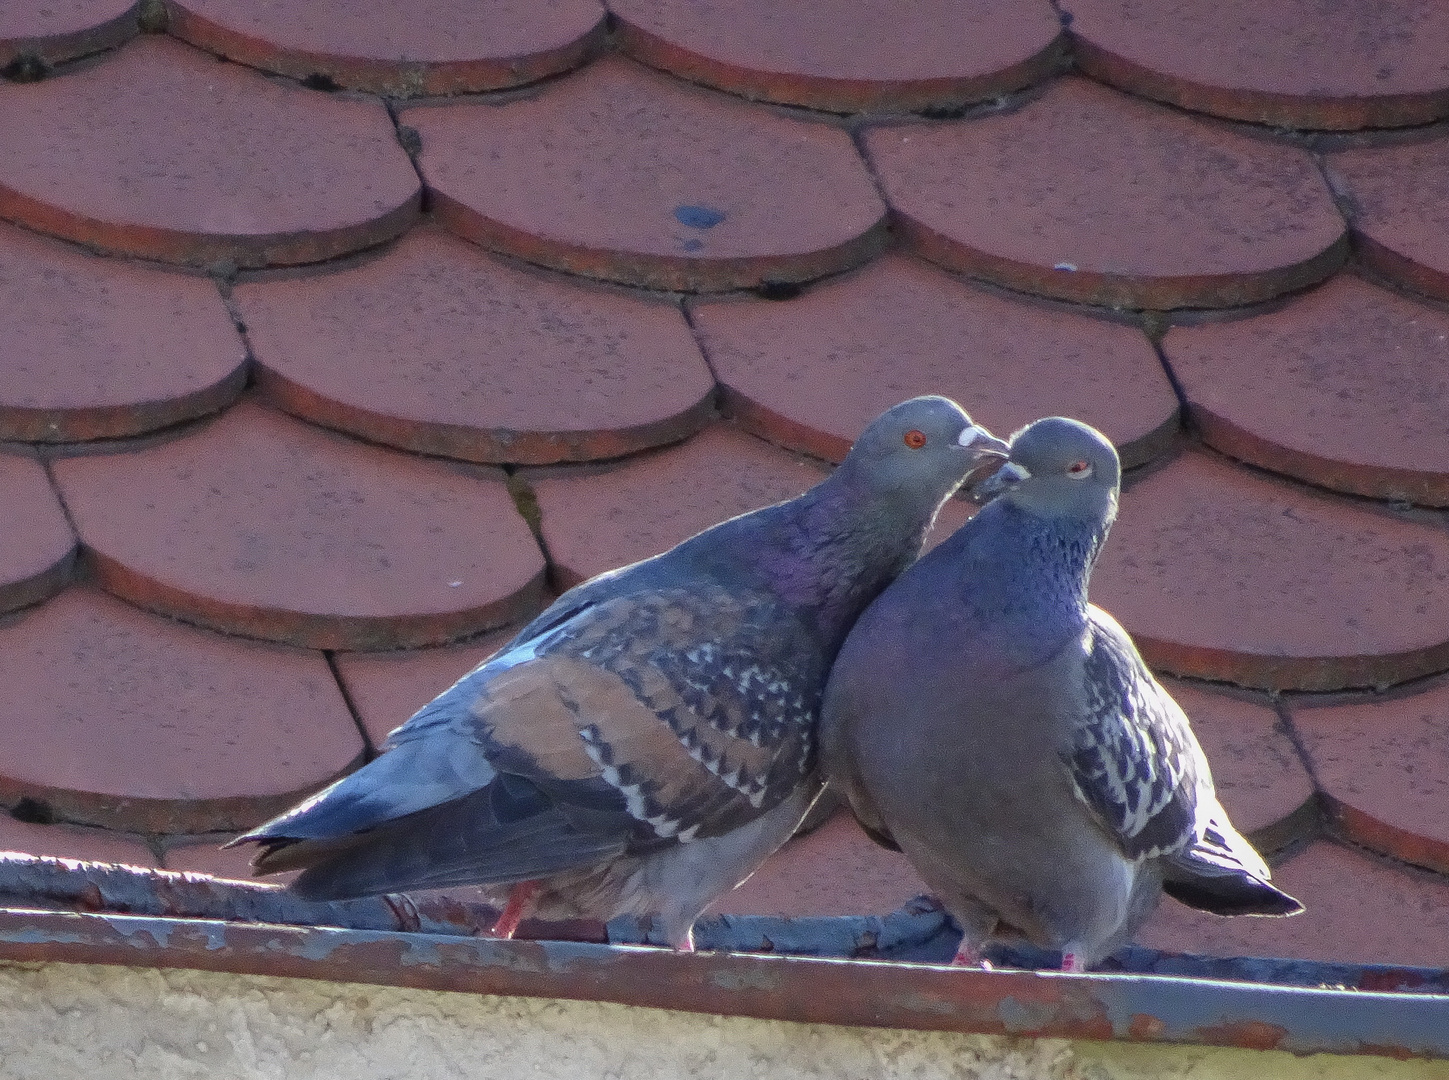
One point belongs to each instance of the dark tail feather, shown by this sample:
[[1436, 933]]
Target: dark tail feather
[[1231, 895], [457, 843]]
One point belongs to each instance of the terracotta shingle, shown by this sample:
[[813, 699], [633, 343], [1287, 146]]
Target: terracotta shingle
[[433, 47], [274, 529], [847, 55], [439, 348], [1090, 195], [596, 520], [1259, 776], [1291, 391], [1400, 195], [623, 174], [1227, 575], [810, 373], [1360, 910], [37, 552], [119, 718], [63, 29], [69, 842], [387, 688], [103, 348], [161, 151], [1384, 765], [1290, 63]]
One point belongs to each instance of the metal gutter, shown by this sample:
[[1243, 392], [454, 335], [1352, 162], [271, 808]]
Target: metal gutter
[[1129, 1006]]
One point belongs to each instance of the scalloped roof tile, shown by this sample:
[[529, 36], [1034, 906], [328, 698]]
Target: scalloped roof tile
[[1260, 543], [429, 47], [848, 55]]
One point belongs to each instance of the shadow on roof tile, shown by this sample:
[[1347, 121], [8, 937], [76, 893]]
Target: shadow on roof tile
[[1089, 195], [71, 842], [439, 348], [163, 152], [848, 55], [620, 173], [277, 530]]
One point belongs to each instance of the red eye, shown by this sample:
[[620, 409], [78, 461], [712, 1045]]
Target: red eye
[[915, 439], [1079, 469]]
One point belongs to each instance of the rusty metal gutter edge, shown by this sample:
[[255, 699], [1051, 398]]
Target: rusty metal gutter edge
[[1137, 1008]]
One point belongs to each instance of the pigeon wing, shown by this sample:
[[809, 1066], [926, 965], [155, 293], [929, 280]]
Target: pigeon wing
[[663, 716], [1134, 761]]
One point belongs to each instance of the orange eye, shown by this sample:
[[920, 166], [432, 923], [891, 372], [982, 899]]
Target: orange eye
[[1079, 469], [915, 439]]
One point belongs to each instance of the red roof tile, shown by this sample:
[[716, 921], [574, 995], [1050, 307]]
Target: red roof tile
[[438, 348], [596, 520], [102, 348], [1291, 63], [1259, 775], [1384, 765], [63, 29], [70, 842], [808, 373], [847, 55], [1289, 390], [622, 174], [38, 552], [243, 170], [433, 47], [1056, 198], [1360, 910], [835, 870], [1400, 196], [1226, 575], [274, 529], [209, 857], [387, 688], [119, 718]]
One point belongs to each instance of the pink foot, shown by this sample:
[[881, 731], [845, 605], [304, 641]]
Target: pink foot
[[1073, 962], [519, 899], [967, 956]]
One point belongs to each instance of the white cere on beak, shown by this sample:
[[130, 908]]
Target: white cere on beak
[[976, 437], [1013, 472]]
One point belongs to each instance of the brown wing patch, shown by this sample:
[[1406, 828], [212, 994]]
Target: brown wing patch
[[697, 738]]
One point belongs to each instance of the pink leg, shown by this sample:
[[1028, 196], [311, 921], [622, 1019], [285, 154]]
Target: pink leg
[[967, 955], [519, 899], [1072, 961]]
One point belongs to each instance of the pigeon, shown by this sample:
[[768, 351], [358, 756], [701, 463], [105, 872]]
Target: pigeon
[[1004, 733], [645, 743]]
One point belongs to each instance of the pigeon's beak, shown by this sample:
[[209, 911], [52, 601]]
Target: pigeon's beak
[[1003, 479], [982, 444]]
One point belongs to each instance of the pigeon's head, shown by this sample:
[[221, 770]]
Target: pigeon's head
[[1059, 468], [920, 451]]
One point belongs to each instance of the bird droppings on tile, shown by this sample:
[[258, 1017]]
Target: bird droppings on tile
[[585, 177]]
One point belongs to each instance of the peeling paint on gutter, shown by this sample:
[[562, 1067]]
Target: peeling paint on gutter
[[1129, 1007]]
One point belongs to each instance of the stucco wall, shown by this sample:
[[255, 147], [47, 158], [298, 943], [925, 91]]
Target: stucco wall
[[61, 1021]]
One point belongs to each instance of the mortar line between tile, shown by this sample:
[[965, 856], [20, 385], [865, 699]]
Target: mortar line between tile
[[1172, 379], [369, 750], [413, 148], [688, 313]]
